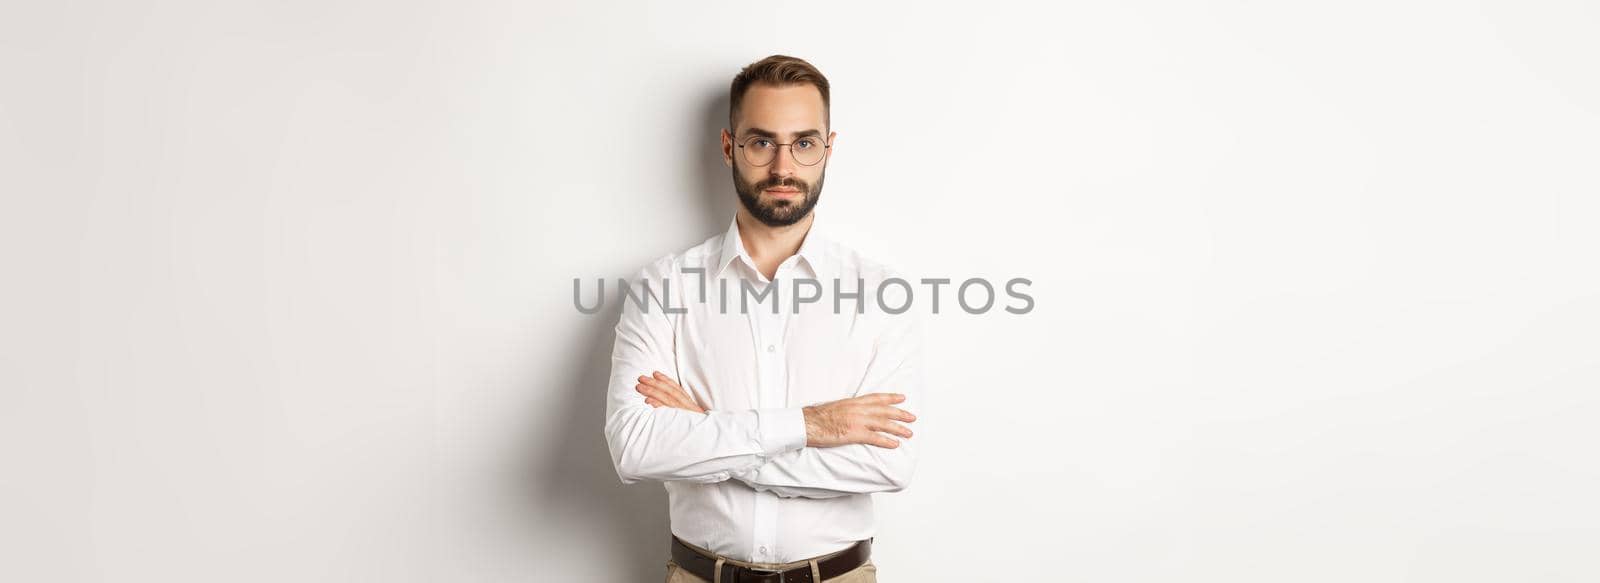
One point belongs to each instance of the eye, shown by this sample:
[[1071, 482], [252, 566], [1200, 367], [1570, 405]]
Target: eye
[[761, 143], [806, 143]]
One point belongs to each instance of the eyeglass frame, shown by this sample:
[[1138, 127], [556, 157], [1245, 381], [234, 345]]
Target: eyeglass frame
[[825, 146]]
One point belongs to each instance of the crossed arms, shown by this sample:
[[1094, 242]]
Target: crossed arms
[[656, 430]]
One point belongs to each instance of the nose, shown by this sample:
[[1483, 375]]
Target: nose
[[782, 164]]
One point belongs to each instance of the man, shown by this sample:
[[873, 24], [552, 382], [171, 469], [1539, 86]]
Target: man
[[759, 376]]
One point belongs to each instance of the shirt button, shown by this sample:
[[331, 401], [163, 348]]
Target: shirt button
[[771, 348], [763, 550]]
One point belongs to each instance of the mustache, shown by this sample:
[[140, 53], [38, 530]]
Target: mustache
[[784, 183]]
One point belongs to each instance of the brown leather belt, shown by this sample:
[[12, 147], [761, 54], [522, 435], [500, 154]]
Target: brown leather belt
[[704, 566]]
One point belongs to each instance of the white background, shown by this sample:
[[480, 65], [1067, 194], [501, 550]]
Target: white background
[[287, 285]]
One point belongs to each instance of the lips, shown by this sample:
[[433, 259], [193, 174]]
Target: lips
[[782, 192]]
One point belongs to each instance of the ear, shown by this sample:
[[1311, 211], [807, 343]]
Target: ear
[[727, 148], [833, 142]]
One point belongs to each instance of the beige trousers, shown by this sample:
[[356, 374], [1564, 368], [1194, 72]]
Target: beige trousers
[[866, 573]]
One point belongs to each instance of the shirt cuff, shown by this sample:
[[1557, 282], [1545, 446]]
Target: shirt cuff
[[781, 430]]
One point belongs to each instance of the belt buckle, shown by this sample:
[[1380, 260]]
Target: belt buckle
[[762, 575]]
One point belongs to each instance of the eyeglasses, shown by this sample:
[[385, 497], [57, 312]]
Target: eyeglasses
[[806, 151]]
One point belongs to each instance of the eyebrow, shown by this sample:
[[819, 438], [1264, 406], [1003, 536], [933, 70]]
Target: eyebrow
[[771, 134]]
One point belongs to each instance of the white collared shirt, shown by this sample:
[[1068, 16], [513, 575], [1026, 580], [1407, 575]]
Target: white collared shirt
[[740, 479]]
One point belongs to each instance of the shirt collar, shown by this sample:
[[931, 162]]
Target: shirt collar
[[813, 250]]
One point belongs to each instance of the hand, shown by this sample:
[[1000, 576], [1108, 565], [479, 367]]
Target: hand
[[858, 420], [660, 390]]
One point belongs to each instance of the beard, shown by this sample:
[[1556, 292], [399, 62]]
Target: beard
[[777, 212]]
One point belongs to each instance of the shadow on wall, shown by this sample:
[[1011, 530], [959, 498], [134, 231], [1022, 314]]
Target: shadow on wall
[[575, 489], [716, 178]]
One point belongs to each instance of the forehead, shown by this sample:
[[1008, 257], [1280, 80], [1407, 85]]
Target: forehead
[[783, 109]]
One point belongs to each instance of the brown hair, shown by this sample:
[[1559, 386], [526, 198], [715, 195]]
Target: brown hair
[[777, 70]]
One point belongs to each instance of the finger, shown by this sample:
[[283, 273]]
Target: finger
[[657, 393], [673, 386], [655, 398], [666, 379], [896, 429], [899, 414], [677, 395], [661, 380], [661, 390], [683, 394], [649, 380], [669, 382], [883, 441], [888, 398], [894, 413], [648, 391], [673, 396], [688, 399]]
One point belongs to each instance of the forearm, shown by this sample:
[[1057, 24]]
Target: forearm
[[831, 472], [873, 463], [672, 444]]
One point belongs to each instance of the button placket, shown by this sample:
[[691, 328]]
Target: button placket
[[770, 373], [766, 511]]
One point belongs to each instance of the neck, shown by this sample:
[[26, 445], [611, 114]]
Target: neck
[[769, 245]]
